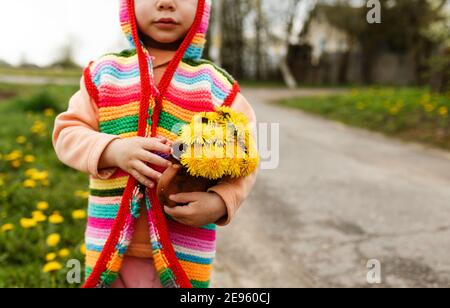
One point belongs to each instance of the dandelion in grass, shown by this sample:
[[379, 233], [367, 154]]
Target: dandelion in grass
[[53, 239], [79, 214], [443, 112], [42, 205], [64, 253], [83, 249], [52, 266], [29, 158], [56, 218], [7, 227], [28, 223], [50, 257], [21, 139], [38, 216], [29, 183]]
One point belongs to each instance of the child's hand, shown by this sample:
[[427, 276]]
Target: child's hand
[[132, 154], [202, 208]]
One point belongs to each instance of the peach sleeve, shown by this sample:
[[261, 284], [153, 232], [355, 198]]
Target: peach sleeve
[[235, 191], [76, 137]]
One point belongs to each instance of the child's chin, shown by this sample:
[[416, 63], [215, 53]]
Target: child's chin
[[167, 39]]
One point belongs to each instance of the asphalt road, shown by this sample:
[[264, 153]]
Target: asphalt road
[[340, 197]]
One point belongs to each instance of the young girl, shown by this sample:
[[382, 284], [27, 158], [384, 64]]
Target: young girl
[[119, 128]]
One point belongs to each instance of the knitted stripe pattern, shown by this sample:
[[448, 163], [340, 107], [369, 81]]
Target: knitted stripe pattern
[[130, 104]]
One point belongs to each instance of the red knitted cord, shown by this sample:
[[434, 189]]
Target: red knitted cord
[[90, 86], [124, 210], [230, 99], [180, 275]]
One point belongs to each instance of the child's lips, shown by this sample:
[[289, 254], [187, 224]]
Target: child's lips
[[165, 25]]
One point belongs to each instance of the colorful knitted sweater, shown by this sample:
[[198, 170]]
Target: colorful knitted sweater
[[130, 104]]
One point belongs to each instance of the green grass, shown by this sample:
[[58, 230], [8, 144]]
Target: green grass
[[261, 84], [41, 72], [26, 111], [413, 114]]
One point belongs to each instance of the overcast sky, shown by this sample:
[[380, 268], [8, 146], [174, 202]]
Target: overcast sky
[[36, 29]]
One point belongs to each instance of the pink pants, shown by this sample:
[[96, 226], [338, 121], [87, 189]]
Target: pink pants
[[137, 273]]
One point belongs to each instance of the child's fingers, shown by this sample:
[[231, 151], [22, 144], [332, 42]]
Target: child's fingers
[[185, 197], [179, 212], [154, 144], [154, 159], [146, 171], [142, 179]]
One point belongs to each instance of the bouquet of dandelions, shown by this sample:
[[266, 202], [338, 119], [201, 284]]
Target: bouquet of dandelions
[[213, 146]]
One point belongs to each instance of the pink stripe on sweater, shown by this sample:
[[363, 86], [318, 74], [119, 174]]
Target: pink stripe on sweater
[[196, 244], [97, 233], [201, 234], [119, 66], [100, 223], [194, 106]]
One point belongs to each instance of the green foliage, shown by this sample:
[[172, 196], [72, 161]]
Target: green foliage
[[31, 173], [410, 113]]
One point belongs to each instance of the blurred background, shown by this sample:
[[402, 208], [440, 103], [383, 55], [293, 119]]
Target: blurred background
[[358, 192]]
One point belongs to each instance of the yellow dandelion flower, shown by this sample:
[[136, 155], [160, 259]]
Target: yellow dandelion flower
[[7, 227], [211, 165], [64, 253], [50, 256], [29, 158], [249, 166], [38, 127], [186, 135], [29, 183], [49, 112], [38, 216], [230, 115], [15, 163], [14, 155], [394, 110], [55, 219], [53, 239], [28, 223], [443, 112], [429, 108], [42, 205], [52, 267], [21, 139], [82, 194], [39, 175], [79, 214], [83, 249], [30, 172]]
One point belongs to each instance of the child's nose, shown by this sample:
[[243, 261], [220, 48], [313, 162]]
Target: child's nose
[[166, 4]]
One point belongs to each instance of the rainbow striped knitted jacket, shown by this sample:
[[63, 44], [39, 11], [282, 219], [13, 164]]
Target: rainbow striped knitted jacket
[[131, 105]]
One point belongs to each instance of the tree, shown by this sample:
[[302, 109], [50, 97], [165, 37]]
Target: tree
[[401, 31]]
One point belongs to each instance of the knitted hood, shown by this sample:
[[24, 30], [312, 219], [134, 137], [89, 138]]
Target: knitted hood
[[190, 49], [194, 42]]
